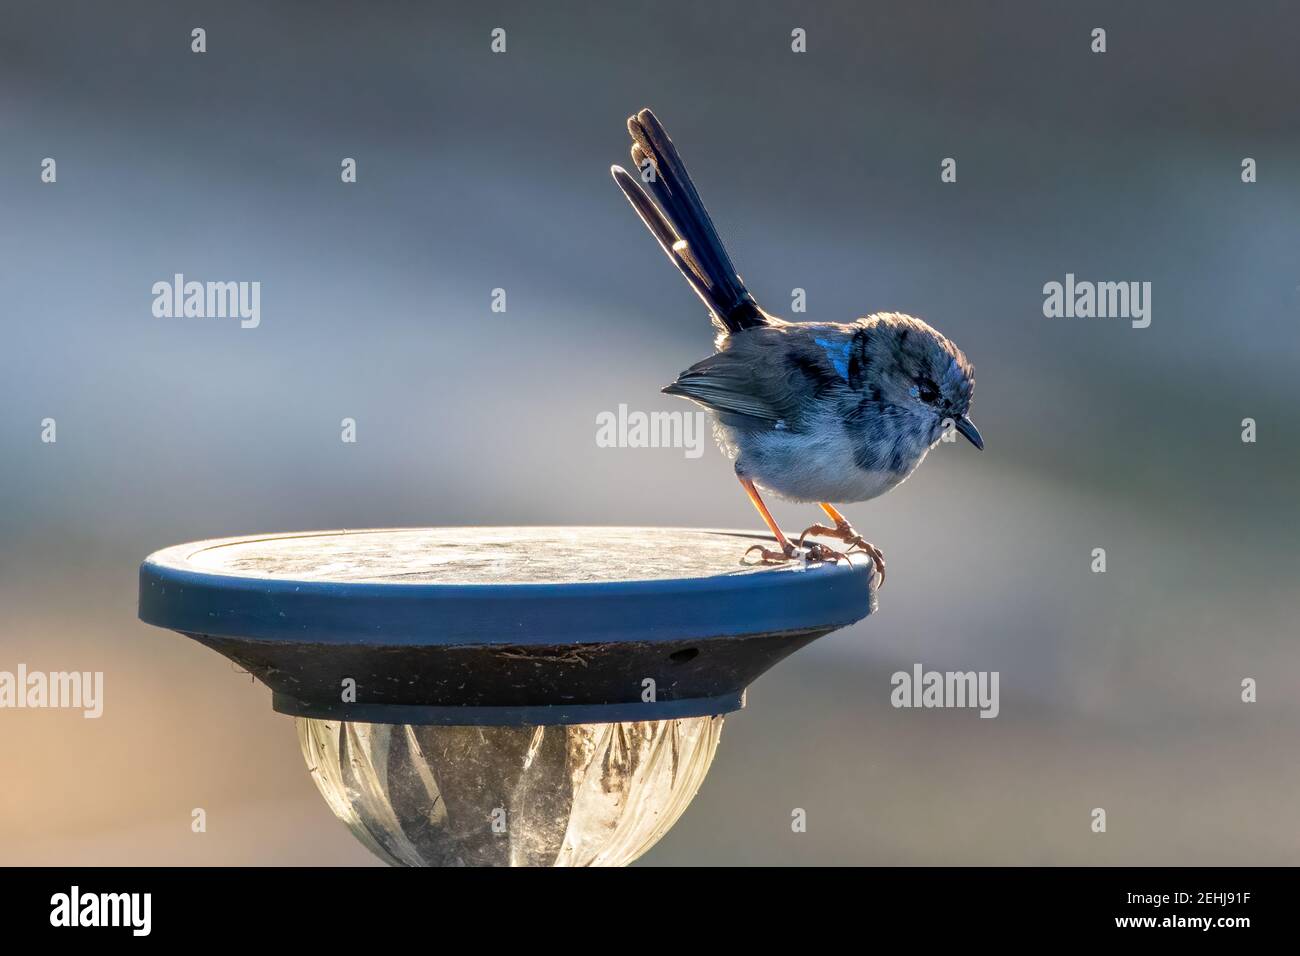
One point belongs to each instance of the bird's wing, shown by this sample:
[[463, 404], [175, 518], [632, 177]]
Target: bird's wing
[[722, 383], [779, 373], [758, 375]]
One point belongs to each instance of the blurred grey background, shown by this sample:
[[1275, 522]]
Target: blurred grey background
[[1119, 690]]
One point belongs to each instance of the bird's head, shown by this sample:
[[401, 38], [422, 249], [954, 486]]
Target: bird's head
[[924, 379]]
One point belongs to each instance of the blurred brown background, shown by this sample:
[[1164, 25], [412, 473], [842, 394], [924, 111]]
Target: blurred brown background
[[1118, 690]]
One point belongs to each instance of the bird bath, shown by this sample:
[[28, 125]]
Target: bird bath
[[503, 696]]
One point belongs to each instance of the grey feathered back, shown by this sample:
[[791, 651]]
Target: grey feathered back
[[771, 374]]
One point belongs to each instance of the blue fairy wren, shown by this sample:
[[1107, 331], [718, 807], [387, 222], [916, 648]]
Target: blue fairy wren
[[811, 411]]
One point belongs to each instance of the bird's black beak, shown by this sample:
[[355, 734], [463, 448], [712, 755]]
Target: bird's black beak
[[967, 428]]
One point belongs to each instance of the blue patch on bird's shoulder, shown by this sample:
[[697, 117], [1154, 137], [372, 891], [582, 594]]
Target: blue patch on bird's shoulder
[[838, 355]]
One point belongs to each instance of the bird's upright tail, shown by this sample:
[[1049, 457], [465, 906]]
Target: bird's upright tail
[[668, 204]]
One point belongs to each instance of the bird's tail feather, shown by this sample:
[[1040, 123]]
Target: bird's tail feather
[[671, 209]]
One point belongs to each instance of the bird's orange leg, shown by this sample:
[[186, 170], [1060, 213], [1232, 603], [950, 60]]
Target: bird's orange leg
[[834, 515], [816, 552], [844, 531], [768, 556]]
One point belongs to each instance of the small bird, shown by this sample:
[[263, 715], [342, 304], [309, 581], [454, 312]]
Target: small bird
[[819, 412]]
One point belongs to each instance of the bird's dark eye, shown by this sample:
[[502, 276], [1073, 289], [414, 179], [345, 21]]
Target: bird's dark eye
[[927, 391]]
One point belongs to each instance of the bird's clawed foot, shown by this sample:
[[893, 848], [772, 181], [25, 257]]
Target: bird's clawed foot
[[844, 532], [788, 552], [768, 556], [812, 552], [819, 552]]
